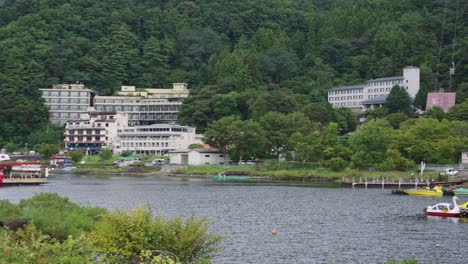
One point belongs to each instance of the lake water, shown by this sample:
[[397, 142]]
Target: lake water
[[314, 224]]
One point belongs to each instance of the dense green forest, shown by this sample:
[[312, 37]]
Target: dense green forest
[[243, 58]]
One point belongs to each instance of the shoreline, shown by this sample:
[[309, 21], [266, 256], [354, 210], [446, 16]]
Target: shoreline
[[204, 176]]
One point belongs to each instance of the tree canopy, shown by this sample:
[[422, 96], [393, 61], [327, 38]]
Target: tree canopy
[[243, 58]]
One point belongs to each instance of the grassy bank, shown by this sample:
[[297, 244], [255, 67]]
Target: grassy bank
[[307, 171]]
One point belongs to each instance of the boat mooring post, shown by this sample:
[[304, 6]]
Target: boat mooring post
[[383, 183]]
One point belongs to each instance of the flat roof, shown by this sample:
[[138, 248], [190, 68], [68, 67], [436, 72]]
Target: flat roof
[[347, 87], [386, 79]]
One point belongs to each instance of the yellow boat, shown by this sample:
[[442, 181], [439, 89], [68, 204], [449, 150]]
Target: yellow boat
[[436, 192], [463, 206]]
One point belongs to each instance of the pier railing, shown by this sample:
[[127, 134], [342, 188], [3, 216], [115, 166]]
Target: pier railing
[[391, 183]]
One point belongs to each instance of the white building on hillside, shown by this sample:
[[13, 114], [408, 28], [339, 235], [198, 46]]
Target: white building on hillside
[[67, 101], [354, 96], [156, 139], [94, 131], [145, 106]]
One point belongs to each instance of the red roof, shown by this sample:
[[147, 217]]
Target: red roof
[[442, 100]]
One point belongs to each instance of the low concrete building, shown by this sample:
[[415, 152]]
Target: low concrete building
[[442, 100], [179, 156], [60, 161], [464, 157], [197, 157]]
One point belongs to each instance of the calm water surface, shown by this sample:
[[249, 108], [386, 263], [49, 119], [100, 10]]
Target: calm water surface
[[315, 225]]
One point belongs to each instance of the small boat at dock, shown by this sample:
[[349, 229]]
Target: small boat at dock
[[444, 209], [434, 192]]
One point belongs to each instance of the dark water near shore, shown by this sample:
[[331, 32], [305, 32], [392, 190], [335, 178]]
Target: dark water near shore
[[314, 224]]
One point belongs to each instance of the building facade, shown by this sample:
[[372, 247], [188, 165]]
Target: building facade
[[156, 139], [197, 157], [145, 106], [94, 131], [442, 100], [67, 101], [353, 96]]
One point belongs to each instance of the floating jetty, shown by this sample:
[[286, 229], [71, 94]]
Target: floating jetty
[[396, 184], [23, 173]]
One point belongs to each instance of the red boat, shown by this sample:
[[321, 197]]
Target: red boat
[[444, 209], [16, 173]]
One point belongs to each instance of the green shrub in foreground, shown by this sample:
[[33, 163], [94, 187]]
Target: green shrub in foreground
[[124, 234], [29, 245], [60, 231], [57, 216]]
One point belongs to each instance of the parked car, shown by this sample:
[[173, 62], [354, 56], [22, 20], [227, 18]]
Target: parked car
[[157, 162], [449, 172], [4, 157]]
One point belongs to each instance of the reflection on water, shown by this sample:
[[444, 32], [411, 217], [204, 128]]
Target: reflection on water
[[315, 225]]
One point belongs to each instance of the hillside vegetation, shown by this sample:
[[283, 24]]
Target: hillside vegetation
[[243, 58]]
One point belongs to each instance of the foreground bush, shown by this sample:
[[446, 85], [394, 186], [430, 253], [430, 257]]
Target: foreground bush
[[124, 234], [58, 217], [59, 231], [29, 245]]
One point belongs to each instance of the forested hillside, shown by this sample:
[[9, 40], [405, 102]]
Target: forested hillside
[[241, 58]]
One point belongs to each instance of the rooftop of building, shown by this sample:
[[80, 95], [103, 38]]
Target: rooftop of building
[[160, 125], [347, 87], [393, 78], [68, 86]]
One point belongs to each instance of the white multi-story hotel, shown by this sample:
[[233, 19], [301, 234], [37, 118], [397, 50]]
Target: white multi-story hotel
[[145, 106], [67, 101], [156, 139], [374, 92], [94, 131]]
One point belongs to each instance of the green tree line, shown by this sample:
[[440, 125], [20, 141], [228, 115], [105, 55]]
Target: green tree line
[[390, 142], [242, 58]]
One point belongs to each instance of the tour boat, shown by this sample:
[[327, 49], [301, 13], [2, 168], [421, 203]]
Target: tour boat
[[16, 173], [444, 209], [436, 192]]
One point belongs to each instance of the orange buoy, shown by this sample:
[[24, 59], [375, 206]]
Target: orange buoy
[[274, 232]]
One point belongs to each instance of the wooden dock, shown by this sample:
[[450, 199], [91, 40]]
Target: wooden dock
[[389, 184], [23, 181]]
